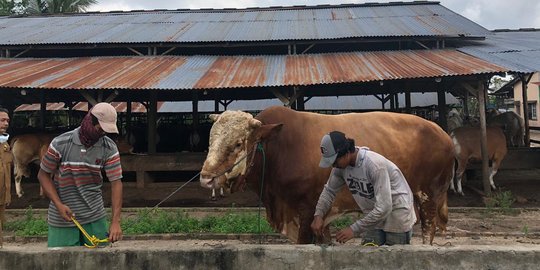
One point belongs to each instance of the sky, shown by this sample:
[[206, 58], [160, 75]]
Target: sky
[[491, 14]]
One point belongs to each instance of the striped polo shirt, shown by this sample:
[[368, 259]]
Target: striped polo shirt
[[77, 175]]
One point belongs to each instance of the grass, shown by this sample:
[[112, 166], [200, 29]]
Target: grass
[[158, 222], [501, 202], [27, 226], [162, 222]]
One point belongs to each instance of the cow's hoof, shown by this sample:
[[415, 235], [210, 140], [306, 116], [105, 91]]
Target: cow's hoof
[[462, 194], [213, 198]]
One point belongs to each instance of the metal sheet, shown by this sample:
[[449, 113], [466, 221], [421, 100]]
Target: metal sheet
[[217, 72], [517, 50], [260, 24]]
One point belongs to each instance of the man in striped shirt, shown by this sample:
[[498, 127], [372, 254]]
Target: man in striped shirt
[[71, 178]]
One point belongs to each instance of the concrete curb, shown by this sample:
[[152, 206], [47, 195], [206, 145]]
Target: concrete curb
[[227, 256]]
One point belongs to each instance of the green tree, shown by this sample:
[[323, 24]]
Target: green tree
[[57, 6], [6, 7]]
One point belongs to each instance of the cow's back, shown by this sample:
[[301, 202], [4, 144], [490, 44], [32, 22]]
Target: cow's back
[[409, 141], [467, 141]]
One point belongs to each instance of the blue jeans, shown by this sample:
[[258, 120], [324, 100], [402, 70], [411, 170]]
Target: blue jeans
[[380, 237]]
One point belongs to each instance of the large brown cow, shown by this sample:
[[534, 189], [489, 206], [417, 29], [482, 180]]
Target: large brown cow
[[289, 153], [27, 149], [467, 148]]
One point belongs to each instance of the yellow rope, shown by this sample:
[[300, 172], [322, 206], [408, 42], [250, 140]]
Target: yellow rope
[[92, 239], [370, 244]]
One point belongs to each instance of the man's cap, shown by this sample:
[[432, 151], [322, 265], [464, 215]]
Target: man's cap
[[106, 115], [331, 144]]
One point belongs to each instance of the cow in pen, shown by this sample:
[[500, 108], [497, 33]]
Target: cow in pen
[[277, 154]]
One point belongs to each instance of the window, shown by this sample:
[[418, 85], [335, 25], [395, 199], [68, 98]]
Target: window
[[531, 110]]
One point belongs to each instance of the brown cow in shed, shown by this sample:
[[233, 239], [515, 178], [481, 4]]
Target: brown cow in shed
[[30, 148], [27, 149], [512, 125], [467, 148], [284, 144]]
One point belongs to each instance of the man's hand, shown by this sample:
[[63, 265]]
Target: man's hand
[[344, 235], [317, 226], [64, 211], [115, 232]]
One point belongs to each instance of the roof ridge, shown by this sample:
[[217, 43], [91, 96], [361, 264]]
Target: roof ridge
[[224, 10]]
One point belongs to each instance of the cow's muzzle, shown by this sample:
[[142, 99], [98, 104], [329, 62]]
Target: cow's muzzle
[[208, 180]]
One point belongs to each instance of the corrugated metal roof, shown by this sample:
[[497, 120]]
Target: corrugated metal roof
[[217, 72], [516, 50], [315, 103], [262, 24]]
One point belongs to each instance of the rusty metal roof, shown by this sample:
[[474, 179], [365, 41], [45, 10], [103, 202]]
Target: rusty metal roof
[[218, 72], [398, 19]]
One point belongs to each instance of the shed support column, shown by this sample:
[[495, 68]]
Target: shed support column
[[42, 110], [408, 102], [128, 119], [483, 142], [441, 100], [524, 82], [194, 137], [480, 93], [152, 122]]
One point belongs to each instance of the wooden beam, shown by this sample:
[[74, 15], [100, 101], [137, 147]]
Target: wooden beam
[[280, 96], [135, 51], [112, 96], [89, 98]]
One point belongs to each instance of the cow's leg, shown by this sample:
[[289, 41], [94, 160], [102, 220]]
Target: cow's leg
[[428, 215], [221, 194], [305, 235], [213, 197], [459, 176], [492, 171], [18, 187]]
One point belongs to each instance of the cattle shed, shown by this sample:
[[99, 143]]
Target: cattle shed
[[291, 54]]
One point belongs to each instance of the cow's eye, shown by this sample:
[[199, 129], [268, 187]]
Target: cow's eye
[[238, 145]]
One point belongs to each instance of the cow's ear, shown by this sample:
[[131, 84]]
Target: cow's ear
[[214, 117], [269, 131]]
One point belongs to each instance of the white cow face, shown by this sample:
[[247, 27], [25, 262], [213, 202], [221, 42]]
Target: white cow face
[[227, 147]]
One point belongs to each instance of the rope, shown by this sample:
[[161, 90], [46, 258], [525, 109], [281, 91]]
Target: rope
[[94, 241], [182, 186], [261, 148]]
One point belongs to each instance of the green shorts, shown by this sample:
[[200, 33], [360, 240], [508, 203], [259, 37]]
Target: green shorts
[[72, 236]]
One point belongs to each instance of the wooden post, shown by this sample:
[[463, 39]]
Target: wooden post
[[524, 84], [152, 122], [408, 101], [480, 93], [483, 141], [441, 100], [128, 119], [43, 110]]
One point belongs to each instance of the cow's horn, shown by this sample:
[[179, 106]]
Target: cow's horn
[[254, 123]]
